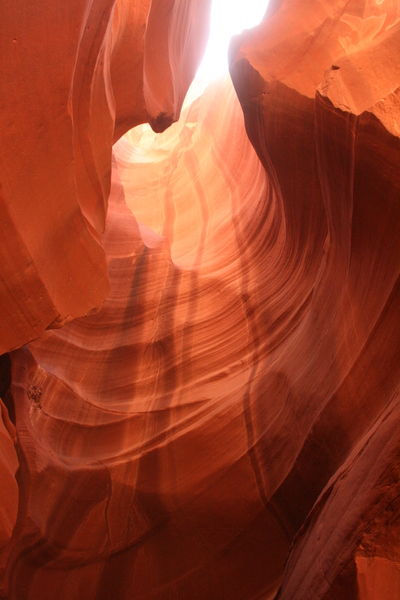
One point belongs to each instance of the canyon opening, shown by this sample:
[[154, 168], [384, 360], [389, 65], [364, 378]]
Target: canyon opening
[[199, 283]]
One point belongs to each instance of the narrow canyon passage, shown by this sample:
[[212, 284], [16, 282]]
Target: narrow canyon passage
[[201, 336]]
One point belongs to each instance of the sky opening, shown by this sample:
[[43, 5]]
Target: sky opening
[[228, 18]]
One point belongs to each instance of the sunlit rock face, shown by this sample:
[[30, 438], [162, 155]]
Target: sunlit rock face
[[76, 76], [149, 417], [226, 424]]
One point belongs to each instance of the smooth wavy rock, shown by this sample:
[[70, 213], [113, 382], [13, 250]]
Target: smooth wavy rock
[[133, 418], [227, 425], [323, 114], [64, 99], [153, 69]]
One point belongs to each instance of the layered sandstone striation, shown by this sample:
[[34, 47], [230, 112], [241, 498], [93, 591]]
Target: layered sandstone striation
[[150, 387], [75, 77], [217, 413], [323, 115]]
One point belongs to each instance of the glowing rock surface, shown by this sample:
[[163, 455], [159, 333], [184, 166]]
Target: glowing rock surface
[[227, 424], [75, 77]]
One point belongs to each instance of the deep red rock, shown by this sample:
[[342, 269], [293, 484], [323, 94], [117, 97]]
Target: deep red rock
[[226, 425], [323, 115]]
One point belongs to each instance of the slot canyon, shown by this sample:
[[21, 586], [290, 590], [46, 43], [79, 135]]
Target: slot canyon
[[200, 303]]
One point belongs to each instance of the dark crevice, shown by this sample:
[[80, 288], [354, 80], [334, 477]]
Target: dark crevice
[[5, 382], [5, 373]]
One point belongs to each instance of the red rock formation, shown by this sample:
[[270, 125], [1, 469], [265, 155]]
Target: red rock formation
[[133, 417], [63, 88], [227, 424], [323, 114]]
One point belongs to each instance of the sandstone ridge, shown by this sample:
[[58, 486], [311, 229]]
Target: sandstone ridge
[[201, 395]]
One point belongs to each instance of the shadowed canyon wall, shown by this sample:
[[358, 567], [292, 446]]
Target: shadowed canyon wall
[[200, 333]]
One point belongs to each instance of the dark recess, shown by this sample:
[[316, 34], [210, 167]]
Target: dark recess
[[5, 382]]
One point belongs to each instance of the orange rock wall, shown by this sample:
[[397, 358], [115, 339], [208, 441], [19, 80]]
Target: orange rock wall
[[323, 115], [64, 98], [226, 424]]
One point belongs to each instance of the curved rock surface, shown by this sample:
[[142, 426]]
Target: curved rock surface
[[323, 115], [227, 424], [64, 98], [132, 419]]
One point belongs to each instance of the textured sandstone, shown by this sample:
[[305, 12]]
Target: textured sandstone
[[133, 417], [227, 424], [62, 91], [331, 98]]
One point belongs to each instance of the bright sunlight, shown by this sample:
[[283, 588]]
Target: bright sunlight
[[228, 18]]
